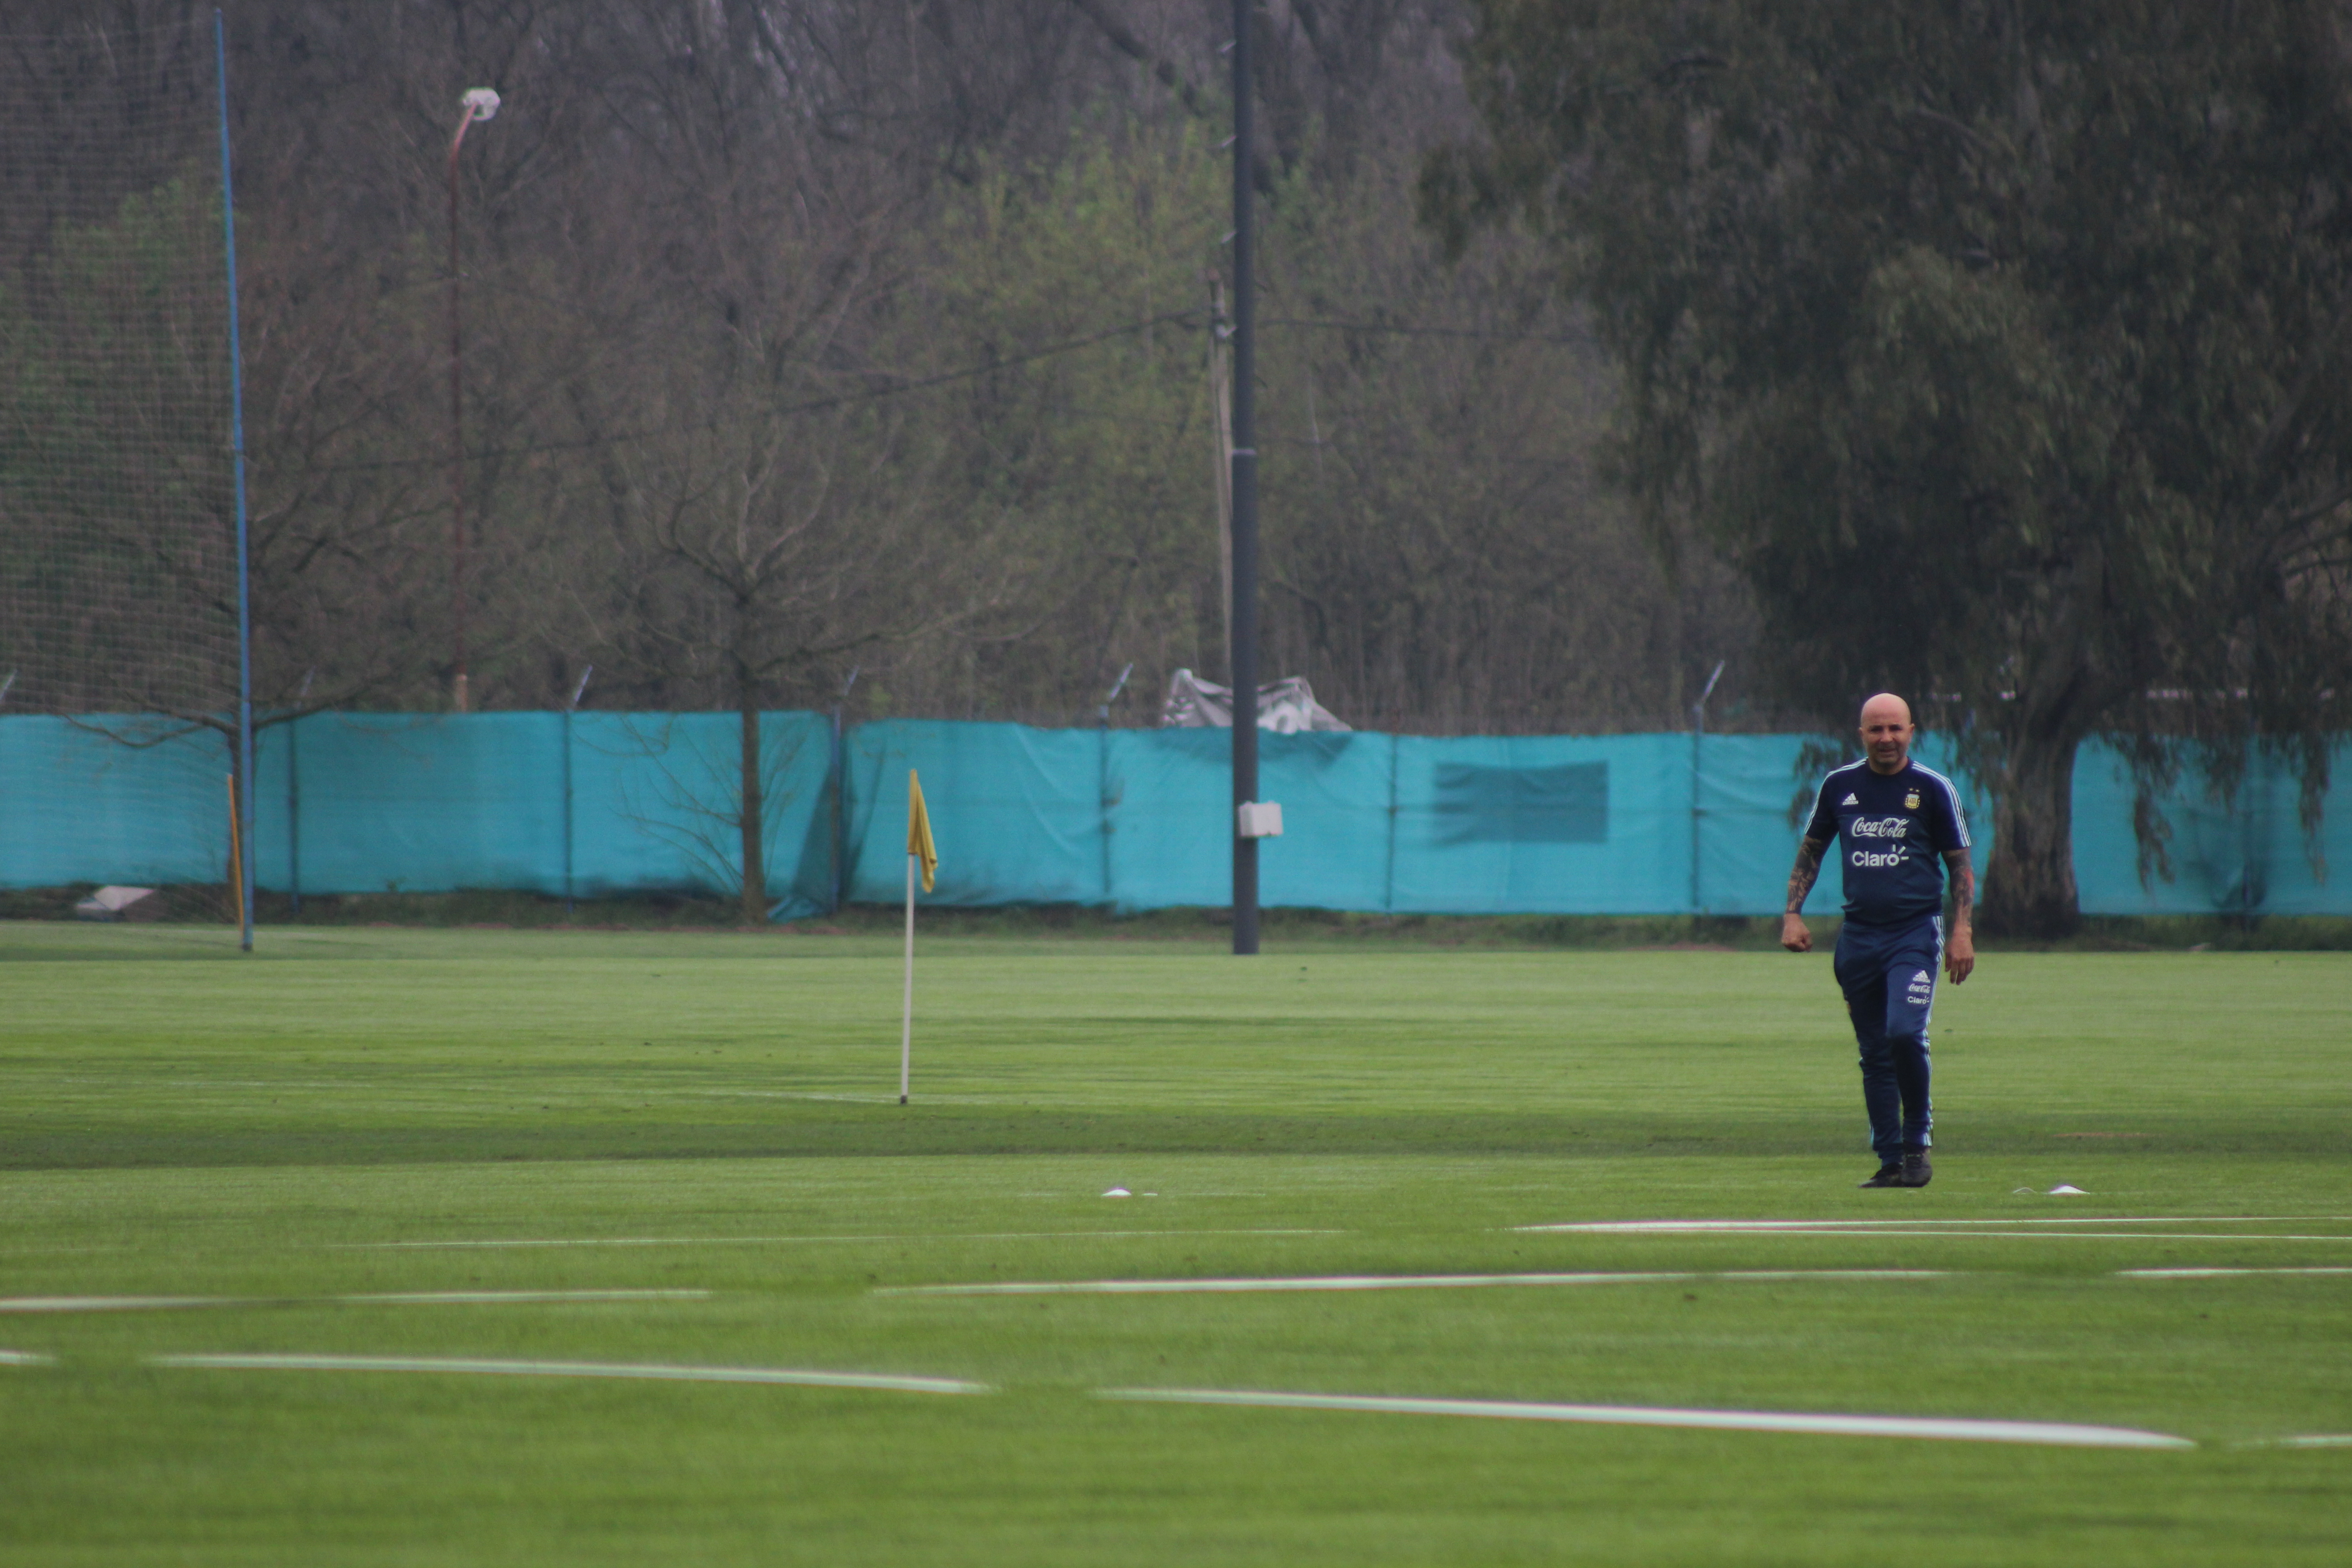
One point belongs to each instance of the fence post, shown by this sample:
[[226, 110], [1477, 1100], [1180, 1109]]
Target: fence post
[[1102, 721], [838, 778], [1698, 738], [2250, 894], [1388, 899], [571, 708], [567, 814], [294, 811]]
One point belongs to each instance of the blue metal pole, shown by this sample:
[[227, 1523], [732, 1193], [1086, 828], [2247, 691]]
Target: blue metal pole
[[236, 445]]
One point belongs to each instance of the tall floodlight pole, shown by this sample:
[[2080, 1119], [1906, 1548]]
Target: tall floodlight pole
[[244, 577], [481, 103], [1244, 654]]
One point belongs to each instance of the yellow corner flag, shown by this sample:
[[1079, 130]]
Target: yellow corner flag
[[918, 830], [919, 849]]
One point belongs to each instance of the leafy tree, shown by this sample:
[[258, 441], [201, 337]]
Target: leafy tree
[[1093, 465], [2001, 346], [1439, 552]]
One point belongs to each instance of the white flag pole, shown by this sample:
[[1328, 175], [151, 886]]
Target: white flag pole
[[906, 1014]]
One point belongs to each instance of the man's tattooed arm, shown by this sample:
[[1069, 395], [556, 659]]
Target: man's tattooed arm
[[1793, 934], [1960, 949], [1964, 888], [1807, 871]]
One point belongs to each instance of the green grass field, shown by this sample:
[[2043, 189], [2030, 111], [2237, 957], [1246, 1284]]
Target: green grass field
[[369, 1113]]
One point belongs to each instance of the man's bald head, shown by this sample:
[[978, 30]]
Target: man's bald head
[[1886, 733], [1888, 704]]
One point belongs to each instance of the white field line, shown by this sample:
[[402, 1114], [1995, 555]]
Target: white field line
[[1673, 1226], [2310, 1440], [2056, 1235], [26, 1358], [495, 1297], [1955, 1429], [117, 1083], [845, 1099], [818, 1240], [109, 1303], [386, 1299], [1374, 1282], [1878, 1228], [2214, 1273], [766, 1375]]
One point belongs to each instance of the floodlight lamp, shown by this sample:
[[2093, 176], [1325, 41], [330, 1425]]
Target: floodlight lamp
[[483, 101]]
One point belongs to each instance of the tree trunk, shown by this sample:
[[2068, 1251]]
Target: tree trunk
[[753, 806], [2029, 888]]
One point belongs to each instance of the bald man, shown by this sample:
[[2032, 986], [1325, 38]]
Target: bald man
[[1895, 819]]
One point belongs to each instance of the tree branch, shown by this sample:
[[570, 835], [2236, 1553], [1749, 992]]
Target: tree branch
[[1124, 40]]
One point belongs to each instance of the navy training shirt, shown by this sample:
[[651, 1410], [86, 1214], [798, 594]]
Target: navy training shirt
[[1894, 828]]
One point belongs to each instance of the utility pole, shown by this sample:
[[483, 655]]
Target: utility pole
[[481, 103], [241, 797], [1244, 633], [1221, 439]]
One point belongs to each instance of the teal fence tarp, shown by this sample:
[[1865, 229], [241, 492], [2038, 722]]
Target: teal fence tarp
[[1023, 807], [78, 805], [363, 803], [392, 803], [2243, 856], [1539, 825], [1133, 819]]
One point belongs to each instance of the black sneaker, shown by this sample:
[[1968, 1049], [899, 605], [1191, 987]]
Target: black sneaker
[[1916, 1170], [1888, 1175]]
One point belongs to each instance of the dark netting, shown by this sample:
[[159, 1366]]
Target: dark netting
[[118, 568]]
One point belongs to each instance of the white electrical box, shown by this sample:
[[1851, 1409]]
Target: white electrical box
[[1259, 819]]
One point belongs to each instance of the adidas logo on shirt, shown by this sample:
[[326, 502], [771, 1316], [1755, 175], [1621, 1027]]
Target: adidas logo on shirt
[[1849, 801]]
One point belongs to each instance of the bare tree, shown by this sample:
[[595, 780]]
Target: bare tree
[[758, 290]]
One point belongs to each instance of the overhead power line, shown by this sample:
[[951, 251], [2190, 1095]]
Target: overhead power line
[[812, 405], [1409, 332], [903, 385]]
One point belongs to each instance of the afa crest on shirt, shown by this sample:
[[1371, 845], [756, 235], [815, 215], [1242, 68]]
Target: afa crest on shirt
[[1911, 801]]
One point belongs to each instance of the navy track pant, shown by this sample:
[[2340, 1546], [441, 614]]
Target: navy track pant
[[1888, 975]]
